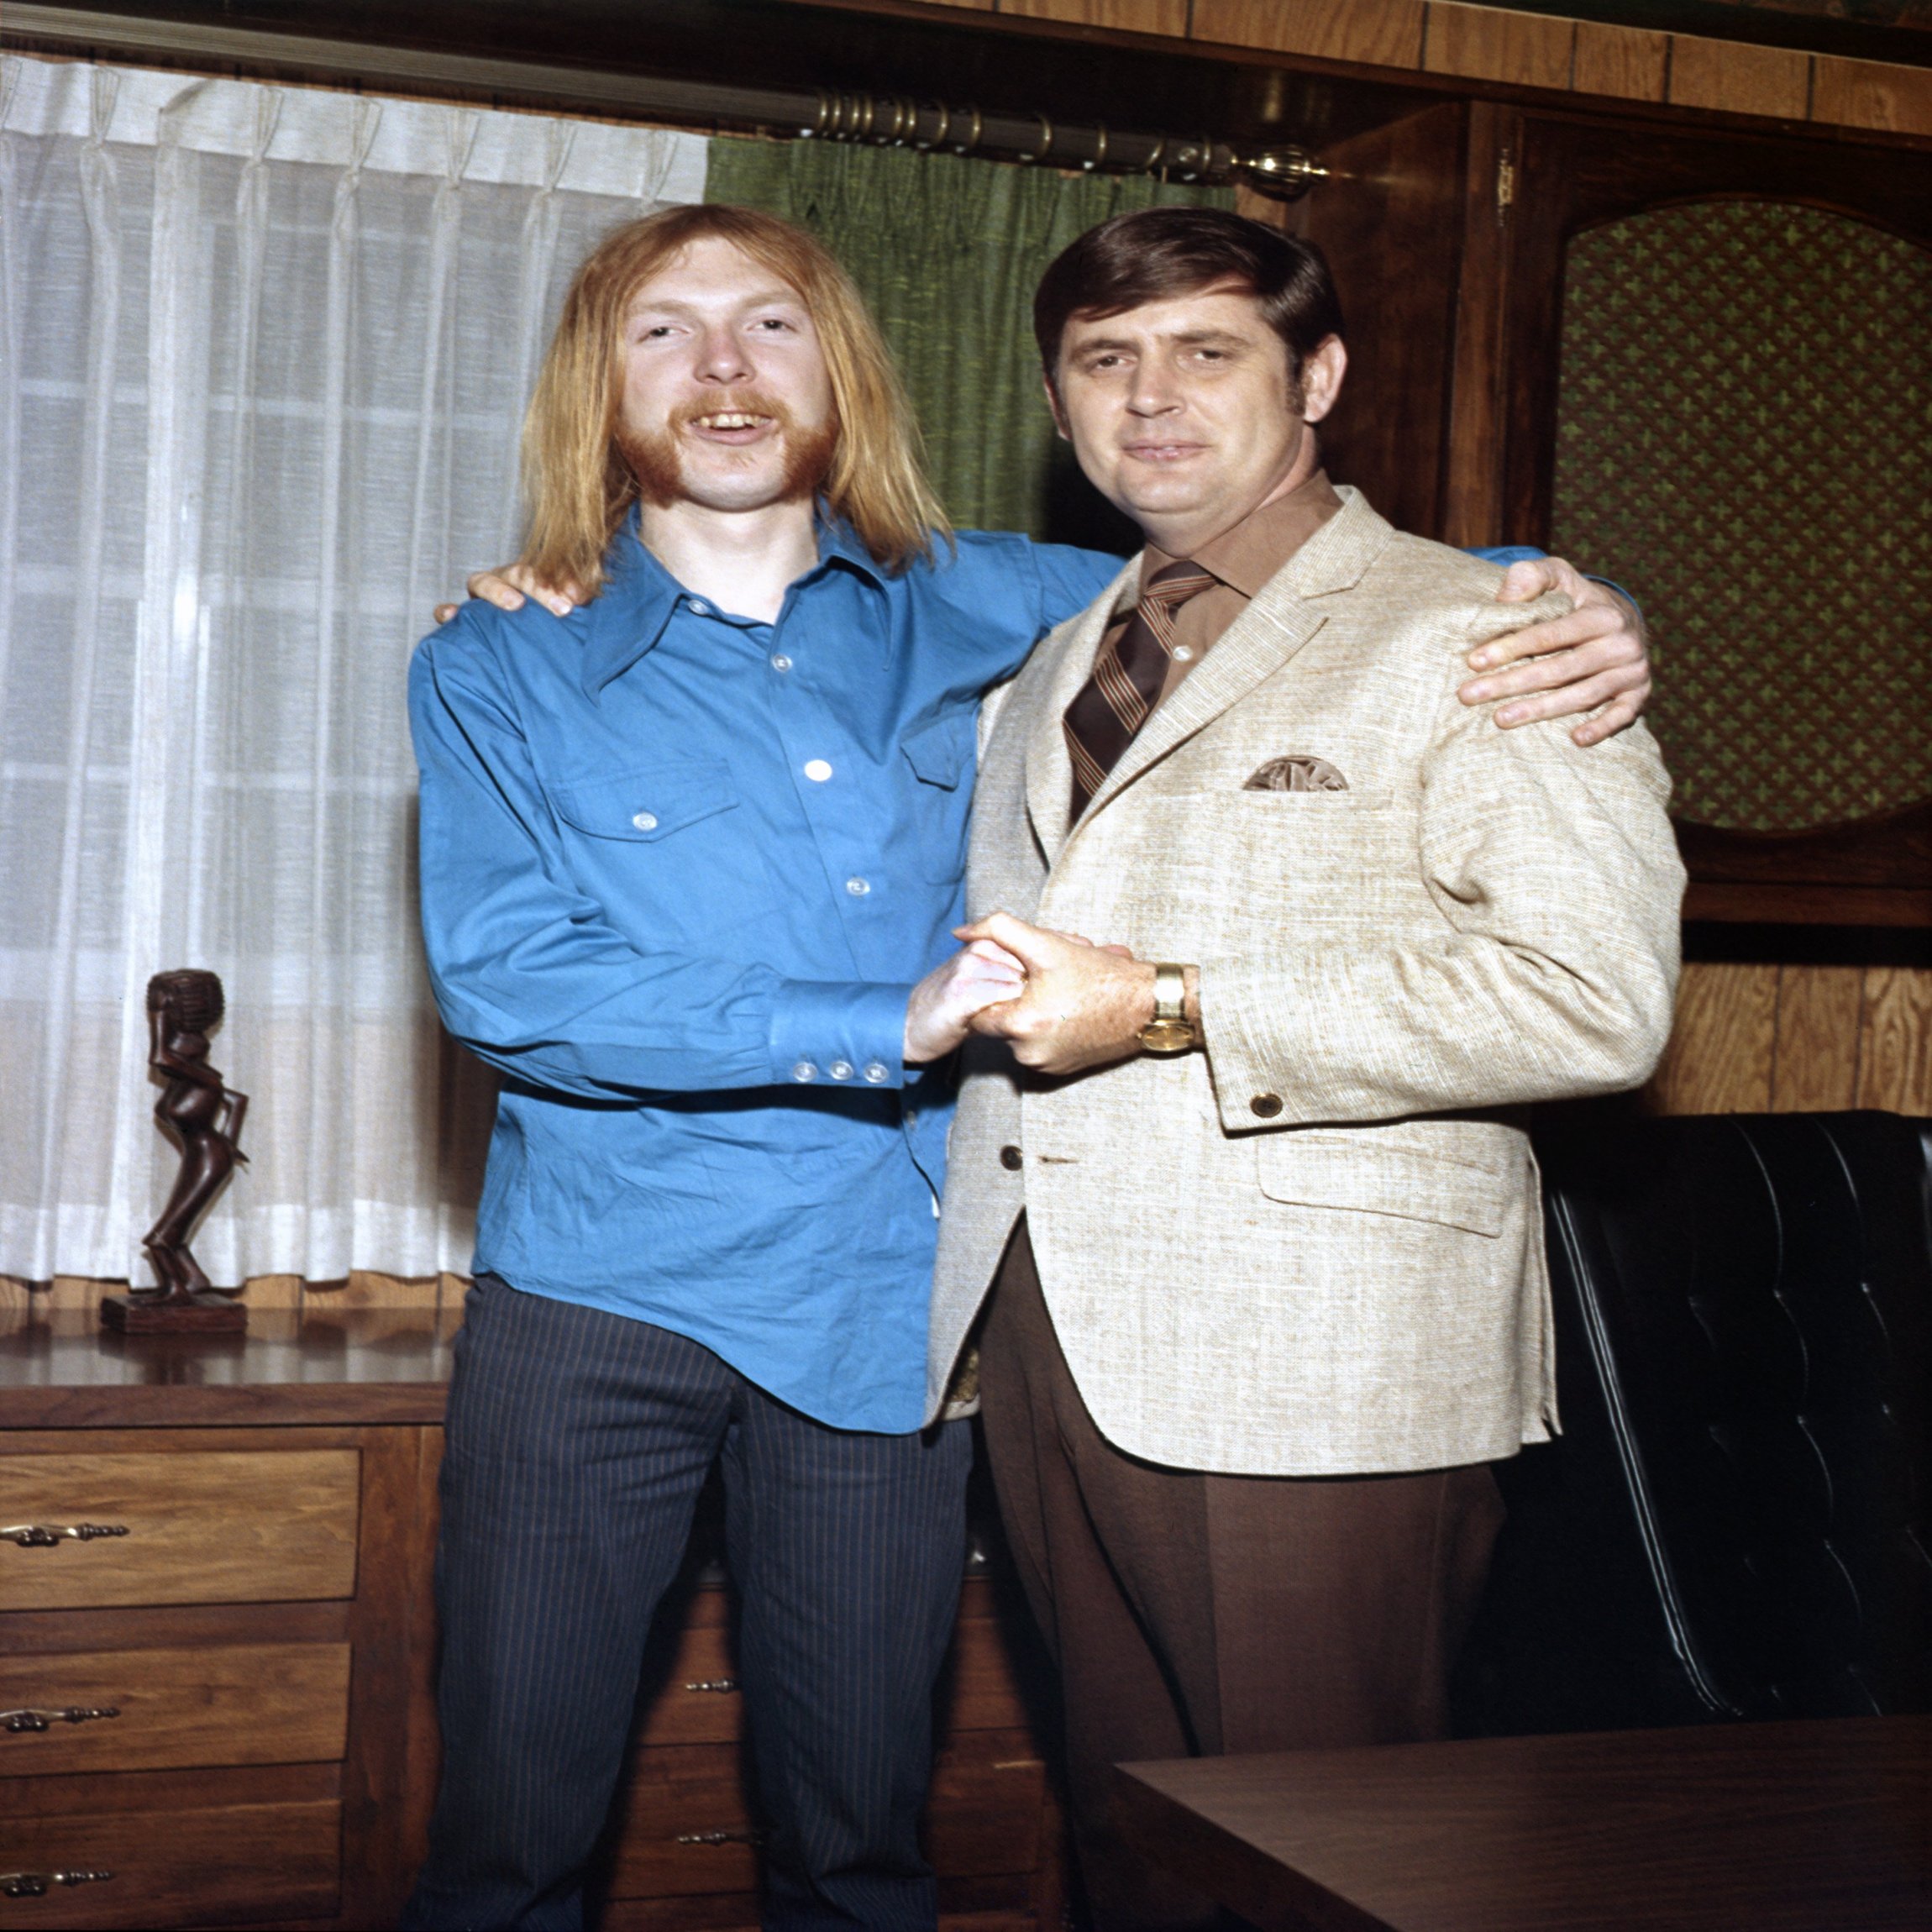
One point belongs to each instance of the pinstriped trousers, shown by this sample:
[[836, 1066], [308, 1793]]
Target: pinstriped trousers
[[576, 1445]]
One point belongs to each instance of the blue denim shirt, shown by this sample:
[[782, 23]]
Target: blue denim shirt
[[680, 872]]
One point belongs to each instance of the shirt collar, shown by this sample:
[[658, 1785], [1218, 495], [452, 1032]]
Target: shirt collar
[[1245, 557], [640, 594]]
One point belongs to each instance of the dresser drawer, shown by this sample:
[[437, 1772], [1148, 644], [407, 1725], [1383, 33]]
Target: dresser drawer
[[699, 1701], [204, 1868], [204, 1526], [988, 1805], [685, 1828], [979, 1691], [171, 1710]]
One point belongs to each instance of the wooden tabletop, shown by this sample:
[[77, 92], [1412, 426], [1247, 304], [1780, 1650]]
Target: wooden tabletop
[[1810, 1827], [367, 1365]]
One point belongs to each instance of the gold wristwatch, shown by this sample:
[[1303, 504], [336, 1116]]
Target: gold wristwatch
[[1169, 1030]]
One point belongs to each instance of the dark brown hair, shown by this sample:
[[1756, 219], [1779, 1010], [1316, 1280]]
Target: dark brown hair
[[1153, 254]]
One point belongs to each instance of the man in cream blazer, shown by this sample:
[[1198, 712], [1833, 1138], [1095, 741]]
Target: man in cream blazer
[[1270, 1303]]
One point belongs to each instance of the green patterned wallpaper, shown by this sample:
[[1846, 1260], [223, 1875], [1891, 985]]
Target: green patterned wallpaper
[[1744, 439]]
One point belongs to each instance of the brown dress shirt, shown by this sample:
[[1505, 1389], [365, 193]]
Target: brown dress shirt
[[1241, 561]]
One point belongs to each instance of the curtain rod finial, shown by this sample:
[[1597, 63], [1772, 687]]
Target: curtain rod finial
[[1282, 174]]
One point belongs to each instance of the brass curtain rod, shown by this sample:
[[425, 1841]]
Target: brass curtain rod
[[1285, 172]]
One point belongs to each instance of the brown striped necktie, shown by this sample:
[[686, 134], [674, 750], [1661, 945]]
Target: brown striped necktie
[[1128, 673]]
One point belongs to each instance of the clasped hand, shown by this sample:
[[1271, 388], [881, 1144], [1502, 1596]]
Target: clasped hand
[[1064, 1003]]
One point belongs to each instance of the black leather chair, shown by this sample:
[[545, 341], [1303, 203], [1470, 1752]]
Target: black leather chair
[[1737, 1520]]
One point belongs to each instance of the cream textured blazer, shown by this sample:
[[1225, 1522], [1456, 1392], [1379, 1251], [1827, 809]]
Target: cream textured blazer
[[1316, 1246]]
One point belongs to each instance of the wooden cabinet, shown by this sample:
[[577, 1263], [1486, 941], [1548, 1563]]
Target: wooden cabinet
[[217, 1652], [684, 1850]]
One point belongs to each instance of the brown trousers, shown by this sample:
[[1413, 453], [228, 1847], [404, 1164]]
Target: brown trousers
[[1192, 1614]]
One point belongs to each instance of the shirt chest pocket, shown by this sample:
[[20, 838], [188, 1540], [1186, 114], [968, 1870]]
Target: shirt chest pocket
[[942, 756], [666, 850]]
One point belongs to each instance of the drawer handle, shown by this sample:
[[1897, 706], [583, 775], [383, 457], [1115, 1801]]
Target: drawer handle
[[718, 1837], [713, 1685], [38, 1884], [33, 1718], [45, 1536]]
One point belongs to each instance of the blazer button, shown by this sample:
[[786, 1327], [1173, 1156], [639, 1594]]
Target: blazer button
[[1267, 1105], [1012, 1159]]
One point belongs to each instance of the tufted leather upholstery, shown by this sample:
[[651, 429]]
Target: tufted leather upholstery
[[1737, 1521]]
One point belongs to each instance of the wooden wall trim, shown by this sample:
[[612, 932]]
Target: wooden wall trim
[[1496, 43]]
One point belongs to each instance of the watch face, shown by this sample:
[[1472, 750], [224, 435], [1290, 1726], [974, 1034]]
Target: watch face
[[1168, 1037]]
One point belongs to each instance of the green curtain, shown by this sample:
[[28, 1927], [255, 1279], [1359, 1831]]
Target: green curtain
[[947, 252]]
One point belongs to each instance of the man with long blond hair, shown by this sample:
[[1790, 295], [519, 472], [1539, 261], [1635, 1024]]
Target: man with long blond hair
[[692, 842]]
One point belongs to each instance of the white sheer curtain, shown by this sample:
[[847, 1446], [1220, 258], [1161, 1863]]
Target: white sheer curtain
[[265, 355]]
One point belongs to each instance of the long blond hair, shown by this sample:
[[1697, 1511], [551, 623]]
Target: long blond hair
[[578, 485]]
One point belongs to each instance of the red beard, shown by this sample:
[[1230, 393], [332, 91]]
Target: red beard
[[656, 462]]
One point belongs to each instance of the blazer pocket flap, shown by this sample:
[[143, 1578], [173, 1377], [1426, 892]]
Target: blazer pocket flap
[[645, 806], [1325, 1171], [938, 753]]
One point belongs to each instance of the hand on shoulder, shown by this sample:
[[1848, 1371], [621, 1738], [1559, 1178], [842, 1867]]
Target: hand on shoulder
[[509, 585], [1594, 655]]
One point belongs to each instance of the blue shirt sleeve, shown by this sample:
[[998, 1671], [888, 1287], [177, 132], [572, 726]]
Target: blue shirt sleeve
[[530, 974], [1070, 580]]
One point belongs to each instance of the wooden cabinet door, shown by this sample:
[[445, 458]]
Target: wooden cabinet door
[[1571, 173], [1716, 374]]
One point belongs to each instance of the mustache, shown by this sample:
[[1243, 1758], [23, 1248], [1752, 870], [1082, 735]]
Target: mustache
[[739, 402], [656, 460]]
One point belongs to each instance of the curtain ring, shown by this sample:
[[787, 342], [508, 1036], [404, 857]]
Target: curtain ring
[[971, 140], [1099, 159], [1152, 162], [1045, 138], [938, 140]]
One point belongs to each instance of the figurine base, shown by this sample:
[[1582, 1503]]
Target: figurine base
[[155, 1314]]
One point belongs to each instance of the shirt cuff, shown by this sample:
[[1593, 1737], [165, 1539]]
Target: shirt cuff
[[1611, 584], [839, 1034]]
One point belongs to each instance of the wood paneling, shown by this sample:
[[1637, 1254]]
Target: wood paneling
[[1169, 17], [1620, 62], [1718, 1059], [203, 1528], [1379, 33], [1895, 1041], [241, 1703], [1870, 94], [1391, 221], [1814, 1061], [1740, 79], [1493, 43], [1472, 510], [191, 1867], [1798, 1039]]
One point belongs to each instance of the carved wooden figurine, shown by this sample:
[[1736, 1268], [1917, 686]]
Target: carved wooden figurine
[[204, 1117]]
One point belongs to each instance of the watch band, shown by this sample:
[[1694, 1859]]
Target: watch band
[[1169, 1030]]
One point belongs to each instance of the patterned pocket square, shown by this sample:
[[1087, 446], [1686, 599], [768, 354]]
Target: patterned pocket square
[[1297, 774]]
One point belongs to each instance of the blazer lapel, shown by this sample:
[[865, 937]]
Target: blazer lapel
[[1281, 619], [1062, 665]]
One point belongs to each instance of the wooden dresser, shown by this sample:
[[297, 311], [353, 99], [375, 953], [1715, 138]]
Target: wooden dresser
[[217, 1652]]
